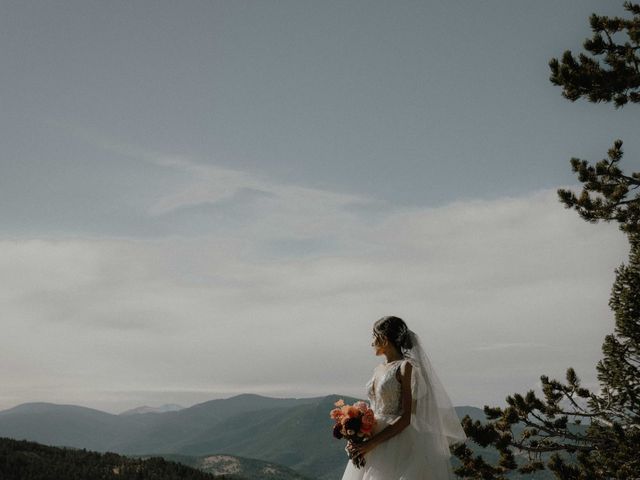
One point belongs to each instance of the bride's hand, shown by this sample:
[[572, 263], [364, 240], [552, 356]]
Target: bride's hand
[[363, 448], [350, 448]]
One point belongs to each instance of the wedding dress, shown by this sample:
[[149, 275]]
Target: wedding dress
[[421, 450]]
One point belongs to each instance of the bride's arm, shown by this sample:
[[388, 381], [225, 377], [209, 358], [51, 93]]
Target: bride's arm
[[401, 422]]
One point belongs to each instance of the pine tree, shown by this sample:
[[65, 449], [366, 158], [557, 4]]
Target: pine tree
[[589, 436]]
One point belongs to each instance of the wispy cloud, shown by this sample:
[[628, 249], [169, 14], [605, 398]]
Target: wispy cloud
[[510, 345], [185, 196]]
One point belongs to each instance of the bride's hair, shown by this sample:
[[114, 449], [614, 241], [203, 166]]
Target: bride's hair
[[395, 330]]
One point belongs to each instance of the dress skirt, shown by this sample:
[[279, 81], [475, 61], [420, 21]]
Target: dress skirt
[[397, 459]]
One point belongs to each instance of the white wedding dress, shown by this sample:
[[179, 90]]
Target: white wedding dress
[[397, 458]]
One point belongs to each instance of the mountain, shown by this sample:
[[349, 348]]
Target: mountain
[[298, 437], [82, 427], [137, 433], [68, 425], [20, 460], [249, 468], [295, 433], [170, 430], [167, 407]]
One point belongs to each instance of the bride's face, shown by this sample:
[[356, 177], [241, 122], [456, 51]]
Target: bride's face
[[379, 344]]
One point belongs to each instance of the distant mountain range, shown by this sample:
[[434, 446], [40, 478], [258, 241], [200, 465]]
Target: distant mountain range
[[295, 433], [167, 407]]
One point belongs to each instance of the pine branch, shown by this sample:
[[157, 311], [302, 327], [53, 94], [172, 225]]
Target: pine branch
[[608, 447]]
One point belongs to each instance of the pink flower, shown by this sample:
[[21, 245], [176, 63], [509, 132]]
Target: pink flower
[[339, 403], [352, 411], [362, 406], [368, 418]]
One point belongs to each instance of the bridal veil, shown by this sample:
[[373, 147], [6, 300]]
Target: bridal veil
[[433, 415]]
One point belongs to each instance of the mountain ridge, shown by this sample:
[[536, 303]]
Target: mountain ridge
[[167, 407], [25, 405]]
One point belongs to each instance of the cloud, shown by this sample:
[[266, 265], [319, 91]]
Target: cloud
[[501, 291], [511, 345], [111, 188]]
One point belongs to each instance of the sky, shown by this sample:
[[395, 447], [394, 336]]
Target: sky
[[201, 199]]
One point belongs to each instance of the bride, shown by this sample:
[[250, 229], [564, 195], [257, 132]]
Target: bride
[[415, 421]]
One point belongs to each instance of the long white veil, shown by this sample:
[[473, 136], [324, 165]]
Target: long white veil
[[433, 415]]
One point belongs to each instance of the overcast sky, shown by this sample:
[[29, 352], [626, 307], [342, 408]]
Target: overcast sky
[[201, 198]]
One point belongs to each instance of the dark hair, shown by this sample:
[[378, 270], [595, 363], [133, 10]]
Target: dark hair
[[395, 330]]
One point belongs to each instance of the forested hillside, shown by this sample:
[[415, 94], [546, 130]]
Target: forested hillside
[[24, 460]]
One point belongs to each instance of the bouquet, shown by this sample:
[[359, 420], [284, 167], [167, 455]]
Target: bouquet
[[355, 423]]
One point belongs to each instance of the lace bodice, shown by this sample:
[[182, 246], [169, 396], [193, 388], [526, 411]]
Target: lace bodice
[[384, 389]]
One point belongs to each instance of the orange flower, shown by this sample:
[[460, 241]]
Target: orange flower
[[339, 403], [336, 414]]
